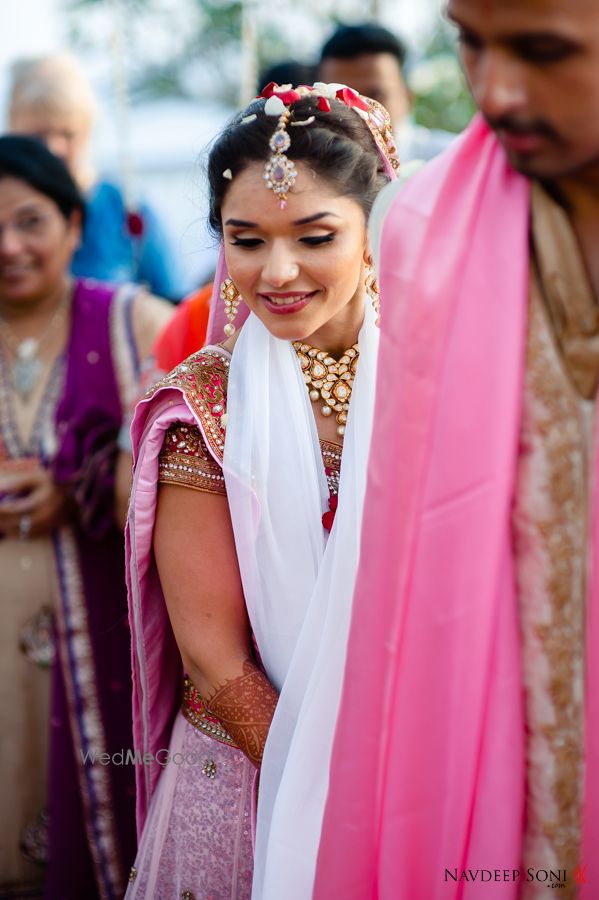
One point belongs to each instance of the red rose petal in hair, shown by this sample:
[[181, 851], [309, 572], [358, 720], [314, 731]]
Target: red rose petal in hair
[[288, 97], [351, 98], [135, 224], [323, 104], [269, 90]]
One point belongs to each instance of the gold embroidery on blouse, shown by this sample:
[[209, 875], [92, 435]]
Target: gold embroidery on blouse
[[331, 457], [203, 378], [185, 460]]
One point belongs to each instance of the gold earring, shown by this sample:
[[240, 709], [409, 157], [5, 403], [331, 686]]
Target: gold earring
[[373, 291], [231, 297]]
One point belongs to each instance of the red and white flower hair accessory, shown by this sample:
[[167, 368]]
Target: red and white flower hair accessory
[[280, 172]]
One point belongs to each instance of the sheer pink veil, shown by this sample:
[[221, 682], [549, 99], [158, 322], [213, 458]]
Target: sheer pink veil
[[218, 319]]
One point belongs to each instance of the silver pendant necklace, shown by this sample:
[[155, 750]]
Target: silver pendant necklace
[[28, 367]]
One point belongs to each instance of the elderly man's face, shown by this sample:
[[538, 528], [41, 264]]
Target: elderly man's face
[[375, 75], [533, 68], [67, 136]]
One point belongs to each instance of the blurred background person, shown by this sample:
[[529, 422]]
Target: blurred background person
[[370, 59], [70, 353], [288, 71], [50, 98]]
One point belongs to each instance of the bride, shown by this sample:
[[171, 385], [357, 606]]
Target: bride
[[243, 534]]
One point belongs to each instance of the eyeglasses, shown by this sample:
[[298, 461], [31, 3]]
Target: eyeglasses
[[27, 225]]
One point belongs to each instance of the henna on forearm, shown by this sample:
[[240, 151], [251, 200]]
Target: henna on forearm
[[245, 706]]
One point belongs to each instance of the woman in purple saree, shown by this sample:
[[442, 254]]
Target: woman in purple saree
[[69, 364]]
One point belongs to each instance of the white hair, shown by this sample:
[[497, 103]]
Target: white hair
[[55, 83]]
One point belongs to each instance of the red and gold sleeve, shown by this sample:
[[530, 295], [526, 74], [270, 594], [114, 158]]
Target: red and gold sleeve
[[185, 460]]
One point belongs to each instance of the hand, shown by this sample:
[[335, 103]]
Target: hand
[[33, 504]]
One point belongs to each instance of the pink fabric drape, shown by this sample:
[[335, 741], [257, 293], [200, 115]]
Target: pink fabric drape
[[428, 762], [156, 662]]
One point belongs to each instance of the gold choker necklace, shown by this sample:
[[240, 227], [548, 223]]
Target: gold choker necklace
[[329, 379]]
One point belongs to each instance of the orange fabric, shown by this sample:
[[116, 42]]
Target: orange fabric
[[185, 332]]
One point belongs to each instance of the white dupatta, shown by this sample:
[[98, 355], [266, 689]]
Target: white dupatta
[[298, 585]]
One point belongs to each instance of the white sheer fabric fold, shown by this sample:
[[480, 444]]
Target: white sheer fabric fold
[[298, 586]]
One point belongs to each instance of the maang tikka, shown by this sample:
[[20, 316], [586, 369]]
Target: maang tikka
[[280, 172]]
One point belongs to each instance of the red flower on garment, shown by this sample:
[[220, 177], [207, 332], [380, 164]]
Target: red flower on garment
[[323, 104], [351, 98], [329, 517], [135, 224]]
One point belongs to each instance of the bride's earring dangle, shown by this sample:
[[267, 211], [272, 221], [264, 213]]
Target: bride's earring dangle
[[373, 291], [231, 297]]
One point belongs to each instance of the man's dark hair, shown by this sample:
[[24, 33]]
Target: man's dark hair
[[349, 41], [287, 71]]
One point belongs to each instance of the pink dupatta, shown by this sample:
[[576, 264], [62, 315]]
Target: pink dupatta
[[428, 762], [156, 662]]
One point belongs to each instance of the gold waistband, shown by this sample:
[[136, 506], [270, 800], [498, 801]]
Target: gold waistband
[[194, 710]]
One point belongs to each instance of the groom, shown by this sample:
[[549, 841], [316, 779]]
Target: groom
[[468, 738]]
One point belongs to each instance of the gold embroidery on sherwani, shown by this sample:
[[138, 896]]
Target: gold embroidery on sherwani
[[567, 292], [551, 527]]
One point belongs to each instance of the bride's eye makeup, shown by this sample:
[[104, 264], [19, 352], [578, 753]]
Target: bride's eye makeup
[[316, 241], [311, 241], [246, 242]]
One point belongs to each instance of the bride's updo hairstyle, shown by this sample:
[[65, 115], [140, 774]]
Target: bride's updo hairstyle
[[337, 145]]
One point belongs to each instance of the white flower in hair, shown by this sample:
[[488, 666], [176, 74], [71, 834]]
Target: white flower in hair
[[328, 90], [274, 106]]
